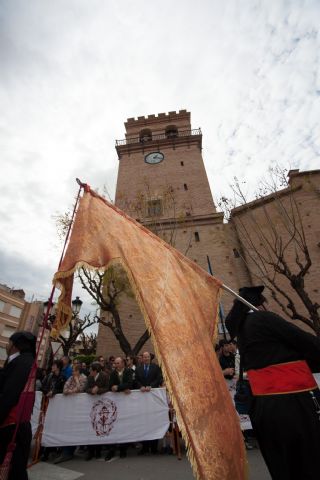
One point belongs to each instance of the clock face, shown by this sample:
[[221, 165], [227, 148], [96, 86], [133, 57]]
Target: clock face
[[154, 157]]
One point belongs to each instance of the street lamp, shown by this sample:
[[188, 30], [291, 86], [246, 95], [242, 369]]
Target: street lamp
[[51, 310], [76, 306], [51, 314]]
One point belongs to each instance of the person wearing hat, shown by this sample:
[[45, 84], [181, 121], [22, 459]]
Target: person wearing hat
[[279, 359], [16, 401]]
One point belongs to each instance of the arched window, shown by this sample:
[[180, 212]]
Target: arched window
[[145, 135], [171, 131]]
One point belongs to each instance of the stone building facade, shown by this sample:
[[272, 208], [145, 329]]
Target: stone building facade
[[18, 314], [162, 183], [12, 303]]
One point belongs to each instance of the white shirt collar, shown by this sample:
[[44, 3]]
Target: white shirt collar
[[13, 356]]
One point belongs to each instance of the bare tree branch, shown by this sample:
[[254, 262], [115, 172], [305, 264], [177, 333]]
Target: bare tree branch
[[274, 244]]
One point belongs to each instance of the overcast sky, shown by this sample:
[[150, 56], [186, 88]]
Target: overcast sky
[[73, 71]]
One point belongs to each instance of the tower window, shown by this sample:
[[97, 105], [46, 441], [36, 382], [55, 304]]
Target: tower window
[[181, 163], [145, 135], [197, 236], [185, 186], [154, 208], [236, 253], [171, 131]]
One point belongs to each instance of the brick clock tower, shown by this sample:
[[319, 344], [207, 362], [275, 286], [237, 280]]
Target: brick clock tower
[[162, 183]]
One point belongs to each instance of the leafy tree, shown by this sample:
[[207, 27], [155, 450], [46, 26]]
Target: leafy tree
[[87, 359]]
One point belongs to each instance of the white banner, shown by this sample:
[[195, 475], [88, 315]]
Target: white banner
[[83, 419]]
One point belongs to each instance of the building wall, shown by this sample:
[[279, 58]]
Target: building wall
[[182, 170], [17, 314], [267, 218], [198, 229], [11, 307], [31, 317]]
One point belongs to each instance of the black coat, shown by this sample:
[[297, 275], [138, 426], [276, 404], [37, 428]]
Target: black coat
[[53, 383], [102, 383], [153, 379], [288, 425], [266, 339], [13, 379], [126, 383], [227, 361]]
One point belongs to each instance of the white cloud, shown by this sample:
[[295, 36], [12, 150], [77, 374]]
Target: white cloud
[[72, 72]]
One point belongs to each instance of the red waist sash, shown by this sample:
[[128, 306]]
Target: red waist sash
[[291, 377]]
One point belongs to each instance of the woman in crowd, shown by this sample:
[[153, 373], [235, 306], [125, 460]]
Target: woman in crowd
[[76, 383]]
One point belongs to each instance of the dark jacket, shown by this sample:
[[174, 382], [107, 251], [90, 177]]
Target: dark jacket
[[152, 379], [53, 383], [13, 379], [126, 383], [102, 383], [227, 361], [266, 339]]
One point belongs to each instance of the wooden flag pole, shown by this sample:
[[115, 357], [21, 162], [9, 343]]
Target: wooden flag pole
[[44, 405], [228, 289]]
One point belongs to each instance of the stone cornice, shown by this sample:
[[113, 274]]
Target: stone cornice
[[157, 144], [187, 221]]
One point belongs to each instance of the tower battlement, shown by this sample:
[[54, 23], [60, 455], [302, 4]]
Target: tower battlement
[[158, 123], [144, 120]]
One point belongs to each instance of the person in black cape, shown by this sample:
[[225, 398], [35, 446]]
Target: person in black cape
[[285, 407], [13, 379]]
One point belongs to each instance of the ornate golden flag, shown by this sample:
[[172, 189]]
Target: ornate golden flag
[[179, 302]]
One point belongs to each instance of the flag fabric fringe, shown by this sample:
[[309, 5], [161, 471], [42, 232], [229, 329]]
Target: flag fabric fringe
[[179, 302]]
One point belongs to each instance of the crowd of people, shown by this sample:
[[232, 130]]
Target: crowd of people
[[121, 374]]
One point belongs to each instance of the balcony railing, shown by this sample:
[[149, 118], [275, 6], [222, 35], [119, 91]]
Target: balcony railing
[[160, 136]]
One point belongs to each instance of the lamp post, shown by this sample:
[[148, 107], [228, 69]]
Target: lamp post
[[44, 348], [52, 312], [76, 322], [76, 306]]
